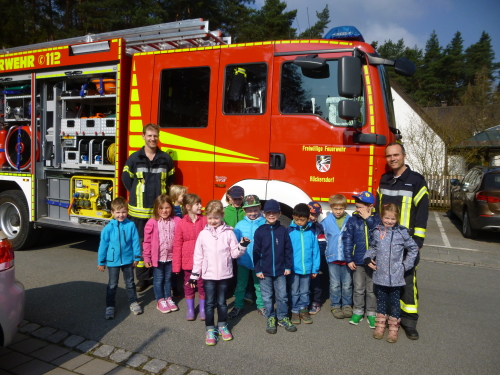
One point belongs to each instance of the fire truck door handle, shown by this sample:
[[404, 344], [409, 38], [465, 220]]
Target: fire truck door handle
[[277, 161]]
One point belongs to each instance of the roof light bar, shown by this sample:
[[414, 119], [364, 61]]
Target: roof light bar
[[349, 33]]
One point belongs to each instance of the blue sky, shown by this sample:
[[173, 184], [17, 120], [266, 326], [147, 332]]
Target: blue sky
[[412, 20]]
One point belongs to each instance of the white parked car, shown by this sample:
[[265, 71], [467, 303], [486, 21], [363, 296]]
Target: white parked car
[[11, 294]]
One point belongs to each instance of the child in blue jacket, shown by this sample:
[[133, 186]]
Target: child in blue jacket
[[119, 249], [340, 274], [355, 240], [246, 228], [306, 261], [272, 256]]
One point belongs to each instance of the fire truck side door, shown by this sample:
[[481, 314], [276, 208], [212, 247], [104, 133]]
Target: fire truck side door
[[243, 118], [184, 106]]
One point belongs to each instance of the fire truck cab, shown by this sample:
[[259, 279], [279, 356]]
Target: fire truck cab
[[295, 120]]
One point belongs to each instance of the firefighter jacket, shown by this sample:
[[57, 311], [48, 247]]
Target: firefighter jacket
[[409, 192], [145, 180]]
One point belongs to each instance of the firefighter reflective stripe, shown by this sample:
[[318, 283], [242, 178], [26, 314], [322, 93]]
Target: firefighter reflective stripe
[[138, 193], [139, 174], [163, 183], [412, 306], [140, 264], [139, 212], [240, 71], [396, 193], [420, 194], [127, 169], [404, 220], [171, 172], [420, 232]]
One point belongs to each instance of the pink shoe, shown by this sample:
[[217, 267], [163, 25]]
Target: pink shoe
[[171, 304], [224, 332], [162, 305]]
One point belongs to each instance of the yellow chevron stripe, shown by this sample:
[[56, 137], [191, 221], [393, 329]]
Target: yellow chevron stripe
[[177, 140]]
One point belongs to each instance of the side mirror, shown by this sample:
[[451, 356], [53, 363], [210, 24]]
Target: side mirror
[[454, 182], [349, 77], [313, 66], [349, 110], [404, 67], [374, 139]]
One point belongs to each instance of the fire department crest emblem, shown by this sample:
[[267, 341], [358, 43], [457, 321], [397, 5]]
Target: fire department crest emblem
[[323, 162]]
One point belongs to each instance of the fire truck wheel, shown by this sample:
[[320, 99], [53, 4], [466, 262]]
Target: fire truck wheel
[[14, 220]]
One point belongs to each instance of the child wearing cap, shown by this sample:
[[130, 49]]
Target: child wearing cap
[[247, 228], [233, 213], [355, 242], [272, 255], [316, 289], [306, 261], [340, 275]]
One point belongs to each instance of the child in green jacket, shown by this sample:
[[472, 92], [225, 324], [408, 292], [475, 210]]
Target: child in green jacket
[[234, 213]]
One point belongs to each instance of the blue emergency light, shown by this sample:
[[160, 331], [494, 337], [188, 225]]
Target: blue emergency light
[[349, 33]]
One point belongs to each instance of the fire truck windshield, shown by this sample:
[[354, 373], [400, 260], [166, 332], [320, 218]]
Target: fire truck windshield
[[315, 96]]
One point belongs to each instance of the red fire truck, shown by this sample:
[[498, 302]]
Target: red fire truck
[[293, 120]]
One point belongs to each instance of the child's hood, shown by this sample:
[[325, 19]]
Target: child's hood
[[115, 223], [297, 227]]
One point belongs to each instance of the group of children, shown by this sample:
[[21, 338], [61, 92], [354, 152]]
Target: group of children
[[283, 264]]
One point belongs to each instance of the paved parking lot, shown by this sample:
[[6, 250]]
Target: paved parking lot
[[445, 243]]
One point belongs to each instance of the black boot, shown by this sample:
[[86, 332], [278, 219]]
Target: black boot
[[411, 332]]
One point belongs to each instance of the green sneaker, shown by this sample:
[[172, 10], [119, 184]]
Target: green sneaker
[[356, 319], [287, 324], [371, 321], [271, 325]]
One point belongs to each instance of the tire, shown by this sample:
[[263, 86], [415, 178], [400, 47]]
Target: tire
[[15, 220], [467, 230]]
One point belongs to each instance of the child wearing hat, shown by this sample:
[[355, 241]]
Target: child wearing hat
[[246, 228], [234, 213], [272, 255], [355, 244]]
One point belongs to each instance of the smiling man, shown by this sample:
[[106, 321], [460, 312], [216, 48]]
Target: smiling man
[[408, 190], [147, 174]]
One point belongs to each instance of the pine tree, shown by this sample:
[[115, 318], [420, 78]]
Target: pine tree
[[271, 22], [478, 56], [454, 74], [318, 29]]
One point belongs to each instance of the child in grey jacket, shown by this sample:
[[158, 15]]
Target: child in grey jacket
[[392, 252]]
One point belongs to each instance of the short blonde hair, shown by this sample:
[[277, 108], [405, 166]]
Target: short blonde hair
[[176, 190], [338, 200], [159, 201], [214, 207], [390, 207], [119, 203]]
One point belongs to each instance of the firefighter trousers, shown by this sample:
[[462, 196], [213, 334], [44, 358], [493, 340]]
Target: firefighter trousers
[[142, 273], [409, 297]]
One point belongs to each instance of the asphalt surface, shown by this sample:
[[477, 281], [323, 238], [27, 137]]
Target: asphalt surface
[[459, 307]]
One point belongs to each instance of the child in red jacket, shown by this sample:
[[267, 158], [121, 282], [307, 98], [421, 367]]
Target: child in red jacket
[[185, 237], [159, 249]]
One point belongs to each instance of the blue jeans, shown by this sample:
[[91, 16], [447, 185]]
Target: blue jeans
[[215, 295], [128, 277], [274, 286], [299, 291], [340, 285], [161, 280]]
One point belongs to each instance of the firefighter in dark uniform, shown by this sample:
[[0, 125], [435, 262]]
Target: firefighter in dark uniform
[[408, 190], [147, 174]]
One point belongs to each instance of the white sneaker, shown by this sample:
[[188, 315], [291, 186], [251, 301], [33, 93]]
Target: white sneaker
[[110, 312], [135, 308]]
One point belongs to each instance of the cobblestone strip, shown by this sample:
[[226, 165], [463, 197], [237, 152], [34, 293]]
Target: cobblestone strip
[[130, 362]]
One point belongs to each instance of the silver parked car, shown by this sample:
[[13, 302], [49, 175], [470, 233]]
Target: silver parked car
[[11, 294]]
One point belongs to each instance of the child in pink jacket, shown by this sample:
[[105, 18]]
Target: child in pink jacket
[[159, 249], [215, 247], [185, 237]]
